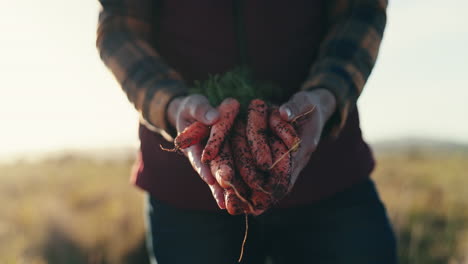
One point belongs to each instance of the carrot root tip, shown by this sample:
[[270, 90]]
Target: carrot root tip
[[295, 119], [295, 146], [245, 237], [263, 190], [175, 149]]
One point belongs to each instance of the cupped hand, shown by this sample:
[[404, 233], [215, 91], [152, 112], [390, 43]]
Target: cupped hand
[[183, 111], [309, 111]]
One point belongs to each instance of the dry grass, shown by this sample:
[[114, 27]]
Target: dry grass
[[74, 209], [69, 210], [425, 193]]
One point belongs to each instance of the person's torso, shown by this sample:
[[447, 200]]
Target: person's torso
[[282, 39], [198, 38]]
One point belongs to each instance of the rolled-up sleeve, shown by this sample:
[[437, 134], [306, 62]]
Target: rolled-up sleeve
[[124, 41], [348, 53]]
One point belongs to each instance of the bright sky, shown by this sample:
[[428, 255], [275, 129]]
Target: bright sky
[[55, 93]]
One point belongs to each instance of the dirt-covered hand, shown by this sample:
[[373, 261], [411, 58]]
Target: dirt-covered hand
[[182, 112], [309, 111]]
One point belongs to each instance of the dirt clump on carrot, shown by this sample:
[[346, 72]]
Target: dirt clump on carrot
[[257, 124], [234, 205], [261, 201], [243, 158], [222, 166], [228, 111]]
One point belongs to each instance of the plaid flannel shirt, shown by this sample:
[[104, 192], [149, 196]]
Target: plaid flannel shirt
[[345, 61]]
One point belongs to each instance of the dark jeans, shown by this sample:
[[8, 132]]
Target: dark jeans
[[350, 227]]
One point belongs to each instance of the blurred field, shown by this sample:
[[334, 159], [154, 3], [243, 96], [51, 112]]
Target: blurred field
[[81, 209]]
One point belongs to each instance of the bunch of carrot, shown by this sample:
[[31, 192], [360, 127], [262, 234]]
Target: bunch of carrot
[[249, 157], [249, 148]]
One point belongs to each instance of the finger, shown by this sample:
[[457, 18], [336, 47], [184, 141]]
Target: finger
[[198, 108], [218, 194], [296, 161], [300, 159], [298, 105], [182, 123], [294, 175], [193, 153]]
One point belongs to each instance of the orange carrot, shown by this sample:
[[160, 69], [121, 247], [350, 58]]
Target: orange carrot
[[261, 201], [284, 130], [243, 158], [222, 166], [234, 205], [190, 136], [257, 122], [242, 190], [228, 110], [280, 174]]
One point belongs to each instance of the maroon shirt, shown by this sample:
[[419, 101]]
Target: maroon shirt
[[198, 38]]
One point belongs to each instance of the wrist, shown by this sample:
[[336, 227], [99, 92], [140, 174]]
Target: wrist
[[171, 111]]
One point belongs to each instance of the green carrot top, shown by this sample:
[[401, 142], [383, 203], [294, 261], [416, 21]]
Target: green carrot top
[[238, 84]]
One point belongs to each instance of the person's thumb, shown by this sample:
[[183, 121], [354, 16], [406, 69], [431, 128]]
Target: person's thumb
[[297, 106], [289, 110]]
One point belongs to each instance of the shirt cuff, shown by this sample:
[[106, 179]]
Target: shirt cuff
[[157, 99], [344, 103]]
